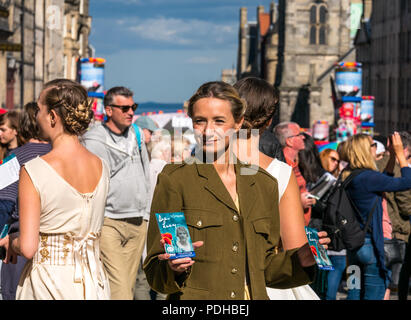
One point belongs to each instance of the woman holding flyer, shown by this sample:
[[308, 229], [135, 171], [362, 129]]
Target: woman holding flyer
[[61, 204], [262, 99], [230, 210]]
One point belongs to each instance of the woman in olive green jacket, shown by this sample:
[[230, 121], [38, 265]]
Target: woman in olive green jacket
[[231, 211]]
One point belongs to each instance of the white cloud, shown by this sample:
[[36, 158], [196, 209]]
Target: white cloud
[[126, 2], [202, 60], [183, 32]]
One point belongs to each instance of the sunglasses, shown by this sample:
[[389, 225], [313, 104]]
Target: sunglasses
[[335, 159], [125, 108]]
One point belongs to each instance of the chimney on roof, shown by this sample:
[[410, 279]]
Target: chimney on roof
[[273, 12], [243, 17], [260, 10], [367, 9]]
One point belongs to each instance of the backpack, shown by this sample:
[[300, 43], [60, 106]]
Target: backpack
[[138, 135], [341, 218]]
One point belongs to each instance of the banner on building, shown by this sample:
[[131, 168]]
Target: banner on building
[[92, 74], [356, 10]]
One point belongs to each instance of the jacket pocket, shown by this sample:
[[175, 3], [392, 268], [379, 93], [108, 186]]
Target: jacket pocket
[[262, 240], [190, 293], [207, 226]]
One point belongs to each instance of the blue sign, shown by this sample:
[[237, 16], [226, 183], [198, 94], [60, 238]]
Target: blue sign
[[349, 82]]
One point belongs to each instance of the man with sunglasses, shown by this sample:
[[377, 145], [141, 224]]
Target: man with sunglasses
[[292, 140], [128, 202]]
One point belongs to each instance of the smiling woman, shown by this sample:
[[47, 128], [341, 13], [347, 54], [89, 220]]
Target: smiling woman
[[217, 112], [233, 218]]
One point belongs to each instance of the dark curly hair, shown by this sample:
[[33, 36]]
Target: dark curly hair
[[70, 101]]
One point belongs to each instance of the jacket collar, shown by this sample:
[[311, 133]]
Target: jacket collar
[[245, 176]]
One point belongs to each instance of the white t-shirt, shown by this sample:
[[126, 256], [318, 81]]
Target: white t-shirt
[[282, 172]]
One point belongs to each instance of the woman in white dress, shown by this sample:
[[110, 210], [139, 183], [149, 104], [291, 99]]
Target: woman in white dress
[[262, 99], [62, 197]]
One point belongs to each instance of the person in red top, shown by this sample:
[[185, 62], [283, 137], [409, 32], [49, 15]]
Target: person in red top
[[292, 140]]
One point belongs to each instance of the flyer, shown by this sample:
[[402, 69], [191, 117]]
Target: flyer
[[319, 253], [9, 171], [174, 231]]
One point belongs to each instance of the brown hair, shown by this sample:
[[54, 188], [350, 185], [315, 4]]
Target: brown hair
[[70, 101], [342, 152], [28, 124], [223, 91], [12, 117], [262, 99], [3, 147]]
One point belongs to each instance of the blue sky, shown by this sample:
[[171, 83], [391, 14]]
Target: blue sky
[[165, 49]]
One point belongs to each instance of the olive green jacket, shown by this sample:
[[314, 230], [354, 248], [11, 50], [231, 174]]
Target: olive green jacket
[[398, 205], [233, 241]]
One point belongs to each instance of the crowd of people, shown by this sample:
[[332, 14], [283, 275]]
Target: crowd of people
[[82, 220]]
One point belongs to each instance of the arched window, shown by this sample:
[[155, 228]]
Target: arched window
[[322, 35], [313, 14], [313, 35], [323, 14], [318, 23]]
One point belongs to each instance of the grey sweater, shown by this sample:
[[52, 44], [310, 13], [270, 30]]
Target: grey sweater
[[129, 190]]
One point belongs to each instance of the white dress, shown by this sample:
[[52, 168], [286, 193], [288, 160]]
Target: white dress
[[282, 172], [67, 263]]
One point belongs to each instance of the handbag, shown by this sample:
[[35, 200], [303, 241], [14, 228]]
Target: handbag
[[392, 252]]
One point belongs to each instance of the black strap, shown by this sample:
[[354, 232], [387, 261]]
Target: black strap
[[352, 175], [370, 214], [367, 224], [346, 182]]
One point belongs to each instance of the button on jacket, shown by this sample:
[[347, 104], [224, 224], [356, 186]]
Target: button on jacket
[[234, 241]]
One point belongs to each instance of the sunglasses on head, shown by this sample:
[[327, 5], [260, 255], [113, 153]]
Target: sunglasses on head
[[125, 108]]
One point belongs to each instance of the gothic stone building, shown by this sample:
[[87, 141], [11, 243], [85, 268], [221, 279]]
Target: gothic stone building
[[40, 40], [295, 47]]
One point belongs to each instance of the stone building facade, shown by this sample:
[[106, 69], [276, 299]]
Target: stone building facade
[[295, 46], [76, 30], [38, 40], [383, 46], [229, 76]]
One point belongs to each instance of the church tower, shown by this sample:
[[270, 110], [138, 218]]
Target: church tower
[[303, 44]]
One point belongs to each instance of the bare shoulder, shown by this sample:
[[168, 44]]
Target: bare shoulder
[[265, 160], [94, 159]]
